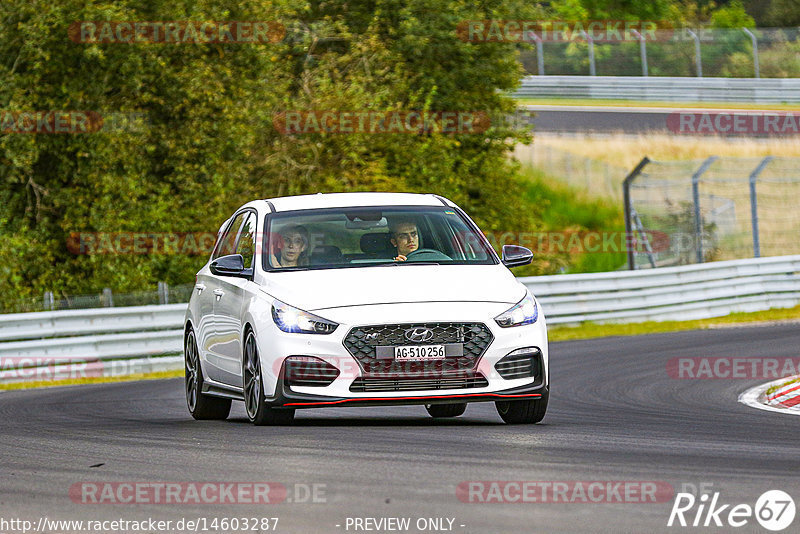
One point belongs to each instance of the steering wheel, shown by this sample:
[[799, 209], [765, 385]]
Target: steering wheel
[[426, 254]]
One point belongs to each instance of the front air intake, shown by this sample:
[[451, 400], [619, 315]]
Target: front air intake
[[522, 363], [400, 383], [305, 371]]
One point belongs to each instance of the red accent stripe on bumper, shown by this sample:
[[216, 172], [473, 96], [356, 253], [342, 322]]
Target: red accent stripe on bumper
[[367, 399]]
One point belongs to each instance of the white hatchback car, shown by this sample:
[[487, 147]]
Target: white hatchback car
[[362, 299]]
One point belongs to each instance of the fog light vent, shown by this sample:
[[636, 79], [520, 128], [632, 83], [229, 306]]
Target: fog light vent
[[309, 371], [522, 363]]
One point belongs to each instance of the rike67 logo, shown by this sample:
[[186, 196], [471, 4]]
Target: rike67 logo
[[774, 510]]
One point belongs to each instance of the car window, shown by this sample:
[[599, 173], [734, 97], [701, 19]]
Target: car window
[[246, 243], [227, 244], [464, 242], [357, 237]]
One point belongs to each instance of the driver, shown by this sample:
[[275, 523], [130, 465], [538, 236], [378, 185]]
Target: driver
[[405, 237], [293, 243]]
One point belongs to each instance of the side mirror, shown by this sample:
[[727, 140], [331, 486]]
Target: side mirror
[[231, 265], [516, 256]]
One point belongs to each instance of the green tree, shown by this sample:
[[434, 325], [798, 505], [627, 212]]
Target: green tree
[[732, 15], [783, 13], [210, 144]]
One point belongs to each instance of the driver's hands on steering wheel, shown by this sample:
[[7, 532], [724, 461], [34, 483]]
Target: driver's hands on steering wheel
[[400, 257]]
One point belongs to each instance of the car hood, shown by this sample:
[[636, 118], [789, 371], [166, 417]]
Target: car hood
[[334, 288]]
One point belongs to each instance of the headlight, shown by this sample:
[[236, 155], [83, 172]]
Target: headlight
[[523, 312], [290, 319]]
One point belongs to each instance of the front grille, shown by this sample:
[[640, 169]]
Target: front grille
[[523, 365], [461, 381], [361, 343]]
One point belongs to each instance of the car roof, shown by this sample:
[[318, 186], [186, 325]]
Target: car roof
[[347, 200]]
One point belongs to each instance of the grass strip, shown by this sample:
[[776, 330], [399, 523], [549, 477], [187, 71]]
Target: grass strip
[[591, 330], [92, 380], [649, 104]]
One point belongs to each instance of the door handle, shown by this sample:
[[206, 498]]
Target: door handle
[[219, 293], [200, 288]]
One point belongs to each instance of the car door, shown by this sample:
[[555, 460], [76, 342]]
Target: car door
[[230, 300], [203, 303], [212, 344]]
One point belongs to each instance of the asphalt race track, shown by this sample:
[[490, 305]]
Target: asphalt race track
[[628, 120], [599, 119], [615, 415]]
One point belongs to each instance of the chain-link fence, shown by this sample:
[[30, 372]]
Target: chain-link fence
[[714, 209], [690, 211], [598, 177], [736, 52], [164, 294]]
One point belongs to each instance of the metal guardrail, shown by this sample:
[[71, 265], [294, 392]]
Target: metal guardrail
[[673, 293], [22, 326], [99, 342], [663, 89], [112, 341]]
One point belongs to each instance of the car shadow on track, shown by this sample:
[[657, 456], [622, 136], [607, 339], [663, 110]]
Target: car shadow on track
[[334, 421]]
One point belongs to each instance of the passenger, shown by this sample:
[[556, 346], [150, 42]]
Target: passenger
[[404, 237], [292, 247]]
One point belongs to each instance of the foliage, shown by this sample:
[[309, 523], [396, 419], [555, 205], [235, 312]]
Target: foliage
[[782, 13], [209, 143], [568, 211], [732, 16], [780, 59], [679, 220]]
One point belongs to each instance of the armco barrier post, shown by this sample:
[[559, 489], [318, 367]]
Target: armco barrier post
[[626, 198], [49, 301], [697, 58], [642, 51], [698, 221], [539, 53], [754, 205], [108, 298], [753, 39], [590, 41], [163, 293]]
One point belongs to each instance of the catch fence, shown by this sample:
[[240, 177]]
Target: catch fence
[[712, 209]]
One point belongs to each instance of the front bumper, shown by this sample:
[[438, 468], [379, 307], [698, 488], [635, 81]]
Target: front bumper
[[277, 346], [288, 399]]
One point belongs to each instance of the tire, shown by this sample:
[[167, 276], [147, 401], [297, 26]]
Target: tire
[[253, 388], [523, 411], [200, 406], [446, 410]]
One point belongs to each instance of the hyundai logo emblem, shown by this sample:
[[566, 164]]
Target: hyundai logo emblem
[[419, 335]]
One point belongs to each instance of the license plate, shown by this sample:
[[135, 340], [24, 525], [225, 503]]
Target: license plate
[[419, 352]]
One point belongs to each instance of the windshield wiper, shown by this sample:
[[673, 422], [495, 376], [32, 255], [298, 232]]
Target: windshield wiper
[[398, 263]]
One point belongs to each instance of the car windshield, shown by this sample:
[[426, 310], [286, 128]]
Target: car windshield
[[361, 237]]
